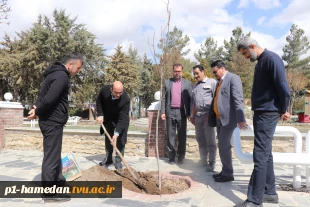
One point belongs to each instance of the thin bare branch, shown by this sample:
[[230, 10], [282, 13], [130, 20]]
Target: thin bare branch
[[159, 67], [4, 11]]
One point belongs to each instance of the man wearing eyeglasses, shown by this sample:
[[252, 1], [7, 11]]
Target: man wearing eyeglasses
[[175, 109], [113, 105], [226, 114]]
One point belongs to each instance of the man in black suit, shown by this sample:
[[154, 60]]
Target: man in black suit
[[175, 108], [113, 111]]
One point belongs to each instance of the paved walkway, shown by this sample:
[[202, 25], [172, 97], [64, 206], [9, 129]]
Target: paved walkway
[[26, 165]]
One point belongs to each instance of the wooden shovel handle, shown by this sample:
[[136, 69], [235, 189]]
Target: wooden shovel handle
[[118, 152]]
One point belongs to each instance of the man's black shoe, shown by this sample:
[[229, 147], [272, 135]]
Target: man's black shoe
[[56, 198], [270, 198], [217, 175], [118, 165], [106, 162], [223, 179], [171, 161], [180, 161], [248, 204]]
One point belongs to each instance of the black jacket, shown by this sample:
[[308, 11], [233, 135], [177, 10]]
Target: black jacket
[[52, 103], [115, 112]]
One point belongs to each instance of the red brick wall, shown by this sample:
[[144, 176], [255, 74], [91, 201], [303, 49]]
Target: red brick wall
[[151, 140], [9, 118]]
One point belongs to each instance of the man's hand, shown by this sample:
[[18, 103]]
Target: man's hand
[[242, 125], [285, 116], [163, 117], [114, 140], [32, 114], [100, 119], [192, 120]]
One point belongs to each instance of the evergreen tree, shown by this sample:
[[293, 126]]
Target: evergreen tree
[[209, 51], [46, 42], [4, 11], [236, 63], [121, 68], [207, 66], [296, 68], [146, 87], [187, 65], [176, 40], [231, 46], [298, 45]]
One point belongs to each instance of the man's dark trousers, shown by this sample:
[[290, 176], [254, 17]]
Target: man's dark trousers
[[52, 166], [224, 134], [176, 121], [263, 179], [109, 148]]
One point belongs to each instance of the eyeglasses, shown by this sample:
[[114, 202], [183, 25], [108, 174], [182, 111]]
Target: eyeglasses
[[214, 72], [177, 71]]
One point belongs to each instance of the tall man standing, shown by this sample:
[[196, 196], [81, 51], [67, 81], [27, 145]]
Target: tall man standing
[[203, 93], [270, 101], [113, 105], [52, 109], [175, 109], [226, 114]]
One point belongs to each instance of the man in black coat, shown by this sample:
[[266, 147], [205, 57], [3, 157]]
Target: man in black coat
[[113, 111], [52, 109]]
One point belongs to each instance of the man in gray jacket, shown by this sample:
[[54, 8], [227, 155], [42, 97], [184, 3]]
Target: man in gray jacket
[[203, 93], [226, 113], [175, 109]]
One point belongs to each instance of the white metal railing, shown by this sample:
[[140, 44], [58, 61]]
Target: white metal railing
[[297, 158], [33, 123]]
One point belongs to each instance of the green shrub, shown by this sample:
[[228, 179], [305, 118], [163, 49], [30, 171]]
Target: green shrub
[[79, 112]]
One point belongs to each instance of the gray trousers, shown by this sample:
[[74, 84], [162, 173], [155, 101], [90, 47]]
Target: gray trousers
[[224, 134], [205, 136], [176, 122]]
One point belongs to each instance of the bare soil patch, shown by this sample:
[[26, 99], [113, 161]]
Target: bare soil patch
[[289, 187], [170, 185]]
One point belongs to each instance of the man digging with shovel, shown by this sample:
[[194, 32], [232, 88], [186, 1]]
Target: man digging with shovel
[[113, 112]]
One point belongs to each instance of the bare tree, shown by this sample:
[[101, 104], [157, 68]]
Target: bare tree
[[4, 11], [159, 67], [296, 82]]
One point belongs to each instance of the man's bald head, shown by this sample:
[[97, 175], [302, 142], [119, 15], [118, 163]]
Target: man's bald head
[[117, 89], [117, 85]]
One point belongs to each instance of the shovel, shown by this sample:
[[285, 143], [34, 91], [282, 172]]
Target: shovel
[[136, 181]]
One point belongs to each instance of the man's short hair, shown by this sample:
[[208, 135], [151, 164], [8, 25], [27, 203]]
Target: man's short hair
[[200, 67], [245, 42], [218, 64], [177, 65], [72, 56]]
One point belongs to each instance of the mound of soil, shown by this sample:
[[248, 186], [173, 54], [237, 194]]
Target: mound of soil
[[149, 180], [289, 187]]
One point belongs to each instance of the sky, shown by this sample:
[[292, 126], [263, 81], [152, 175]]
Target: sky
[[125, 22]]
